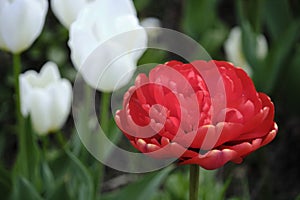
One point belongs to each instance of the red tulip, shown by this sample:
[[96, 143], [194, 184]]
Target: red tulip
[[205, 113]]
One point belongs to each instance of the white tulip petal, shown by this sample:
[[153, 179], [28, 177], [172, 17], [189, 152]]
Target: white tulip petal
[[46, 98], [67, 11], [136, 37], [262, 46], [117, 8], [96, 42], [25, 94], [49, 73], [109, 67], [82, 42], [107, 64], [150, 22], [21, 22], [40, 107], [61, 95]]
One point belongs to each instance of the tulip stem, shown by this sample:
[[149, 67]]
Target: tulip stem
[[194, 181], [104, 111], [20, 121], [17, 71], [104, 123], [60, 138]]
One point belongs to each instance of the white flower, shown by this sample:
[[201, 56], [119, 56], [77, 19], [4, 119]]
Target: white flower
[[151, 23], [234, 50], [103, 36], [67, 11], [46, 97], [21, 22]]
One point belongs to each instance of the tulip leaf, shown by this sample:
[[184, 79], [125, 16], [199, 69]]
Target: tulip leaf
[[213, 39], [292, 84], [249, 43], [198, 16], [141, 4], [81, 182], [277, 58], [5, 183], [152, 56], [176, 186], [23, 189], [47, 178], [56, 158], [74, 176], [145, 188], [59, 192], [277, 15], [28, 160]]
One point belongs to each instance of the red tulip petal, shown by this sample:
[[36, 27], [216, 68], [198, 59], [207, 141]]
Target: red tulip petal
[[213, 159]]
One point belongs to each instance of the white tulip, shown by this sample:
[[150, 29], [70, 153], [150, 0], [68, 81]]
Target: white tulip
[[234, 50], [103, 36], [21, 22], [153, 24], [67, 11], [46, 97]]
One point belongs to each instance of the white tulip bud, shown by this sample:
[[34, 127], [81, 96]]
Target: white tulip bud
[[67, 11], [234, 49], [21, 22], [110, 61], [46, 97]]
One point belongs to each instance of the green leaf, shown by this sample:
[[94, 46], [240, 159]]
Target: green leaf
[[23, 189], [59, 192], [276, 60], [152, 56], [28, 160], [81, 183], [47, 178], [176, 187], [277, 15], [5, 183], [145, 188], [249, 43], [198, 16], [141, 4], [56, 158], [213, 39], [291, 84]]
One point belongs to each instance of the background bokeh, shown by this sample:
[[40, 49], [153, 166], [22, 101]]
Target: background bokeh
[[270, 173]]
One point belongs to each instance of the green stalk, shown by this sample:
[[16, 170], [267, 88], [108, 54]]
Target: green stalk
[[23, 157], [60, 138], [104, 111], [104, 123], [194, 182]]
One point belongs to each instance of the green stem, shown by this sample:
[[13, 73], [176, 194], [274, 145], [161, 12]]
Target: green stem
[[194, 181], [20, 120], [257, 15], [104, 111], [104, 123], [60, 138], [45, 143]]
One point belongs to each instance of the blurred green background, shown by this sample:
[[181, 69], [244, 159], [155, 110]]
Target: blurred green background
[[270, 173]]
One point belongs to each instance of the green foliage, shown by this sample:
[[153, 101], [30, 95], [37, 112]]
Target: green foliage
[[176, 186], [51, 168], [200, 21], [5, 183], [23, 189], [145, 188]]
